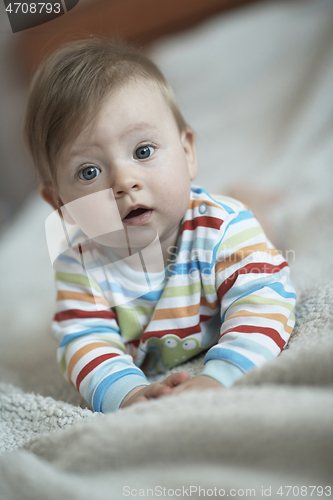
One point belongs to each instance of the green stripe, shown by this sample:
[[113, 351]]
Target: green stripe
[[181, 291], [240, 238], [209, 289], [256, 299], [227, 200], [187, 290], [78, 279], [63, 364]]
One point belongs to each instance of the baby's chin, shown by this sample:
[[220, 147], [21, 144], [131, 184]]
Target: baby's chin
[[129, 240]]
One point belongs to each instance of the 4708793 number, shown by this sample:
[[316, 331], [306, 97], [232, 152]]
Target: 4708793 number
[[302, 491], [33, 8]]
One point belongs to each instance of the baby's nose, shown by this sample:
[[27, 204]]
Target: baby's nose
[[125, 181]]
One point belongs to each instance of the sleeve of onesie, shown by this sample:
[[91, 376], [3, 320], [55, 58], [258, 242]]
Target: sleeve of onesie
[[256, 299], [91, 354]]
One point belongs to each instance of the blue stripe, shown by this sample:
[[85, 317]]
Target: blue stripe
[[198, 243], [115, 288], [244, 215], [228, 209], [72, 336], [103, 370], [233, 221], [246, 288], [232, 356], [69, 260], [153, 295], [198, 190], [252, 346], [107, 382], [279, 288]]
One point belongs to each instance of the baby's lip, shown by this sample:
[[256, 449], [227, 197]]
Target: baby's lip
[[135, 207]]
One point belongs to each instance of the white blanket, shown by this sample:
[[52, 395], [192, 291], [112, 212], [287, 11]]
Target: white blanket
[[256, 85]]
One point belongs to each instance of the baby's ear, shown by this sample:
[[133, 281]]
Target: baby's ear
[[188, 140], [50, 195]]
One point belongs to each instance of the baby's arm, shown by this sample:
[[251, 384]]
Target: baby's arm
[[256, 301], [256, 304], [91, 354]]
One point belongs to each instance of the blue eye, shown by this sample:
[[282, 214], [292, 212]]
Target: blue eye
[[89, 173], [144, 152]]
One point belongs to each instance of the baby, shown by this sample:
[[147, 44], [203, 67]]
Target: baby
[[101, 118]]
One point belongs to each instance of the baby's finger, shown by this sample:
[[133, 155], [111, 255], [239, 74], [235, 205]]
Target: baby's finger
[[176, 379], [157, 390]]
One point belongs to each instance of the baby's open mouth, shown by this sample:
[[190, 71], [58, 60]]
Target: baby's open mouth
[[136, 213], [138, 216]]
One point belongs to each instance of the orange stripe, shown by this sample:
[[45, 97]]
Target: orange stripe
[[289, 329], [211, 305], [80, 353], [196, 203], [84, 297], [176, 312], [278, 317], [241, 254]]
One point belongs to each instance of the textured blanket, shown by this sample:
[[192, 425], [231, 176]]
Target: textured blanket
[[256, 85]]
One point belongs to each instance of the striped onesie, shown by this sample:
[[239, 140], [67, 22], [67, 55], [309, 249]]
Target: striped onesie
[[227, 291]]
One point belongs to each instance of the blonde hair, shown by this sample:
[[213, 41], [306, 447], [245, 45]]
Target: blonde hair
[[71, 86]]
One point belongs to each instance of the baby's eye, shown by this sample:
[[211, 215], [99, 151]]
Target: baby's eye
[[144, 152], [89, 173]]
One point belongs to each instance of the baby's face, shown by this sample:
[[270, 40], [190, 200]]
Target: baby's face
[[134, 147]]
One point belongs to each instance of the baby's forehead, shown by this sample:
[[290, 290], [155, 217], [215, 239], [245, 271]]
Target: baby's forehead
[[144, 93], [91, 120]]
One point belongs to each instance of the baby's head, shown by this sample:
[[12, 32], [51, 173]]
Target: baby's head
[[101, 115]]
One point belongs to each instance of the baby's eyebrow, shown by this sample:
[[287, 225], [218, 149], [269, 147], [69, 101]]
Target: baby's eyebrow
[[138, 126]]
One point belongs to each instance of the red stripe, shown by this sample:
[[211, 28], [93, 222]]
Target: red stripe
[[203, 221], [136, 343], [81, 248], [204, 317], [90, 366], [253, 267], [179, 332], [269, 332], [77, 313]]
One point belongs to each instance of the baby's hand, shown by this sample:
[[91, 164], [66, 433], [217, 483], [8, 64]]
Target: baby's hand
[[156, 390], [199, 383]]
